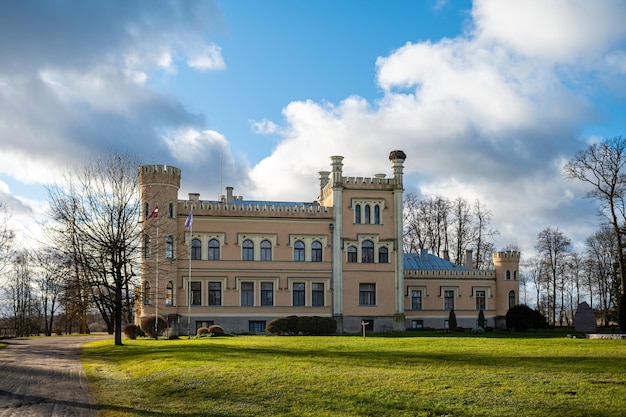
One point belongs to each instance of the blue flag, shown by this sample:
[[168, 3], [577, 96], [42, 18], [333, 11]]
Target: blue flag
[[189, 221]]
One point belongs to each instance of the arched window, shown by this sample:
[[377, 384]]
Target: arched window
[[146, 210], [367, 214], [383, 255], [169, 294], [316, 251], [247, 253], [266, 250], [169, 247], [214, 250], [196, 249], [298, 251], [147, 296], [351, 254], [367, 252], [511, 298], [515, 275], [170, 210], [508, 275], [376, 214], [147, 250], [357, 214]]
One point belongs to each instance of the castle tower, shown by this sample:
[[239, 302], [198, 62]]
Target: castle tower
[[159, 185], [506, 266], [337, 234]]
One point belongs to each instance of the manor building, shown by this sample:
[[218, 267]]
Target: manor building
[[242, 263]]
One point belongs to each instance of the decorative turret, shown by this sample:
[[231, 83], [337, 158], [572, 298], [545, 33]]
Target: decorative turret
[[506, 266], [397, 159]]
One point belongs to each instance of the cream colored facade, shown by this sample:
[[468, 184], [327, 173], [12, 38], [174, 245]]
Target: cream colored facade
[[340, 256]]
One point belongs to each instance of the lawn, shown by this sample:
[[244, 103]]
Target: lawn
[[347, 376]]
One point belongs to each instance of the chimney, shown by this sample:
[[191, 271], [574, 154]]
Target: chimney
[[445, 254], [469, 262], [194, 197], [424, 255], [229, 195]]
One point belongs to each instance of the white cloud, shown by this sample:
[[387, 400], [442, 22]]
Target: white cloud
[[207, 58], [191, 146]]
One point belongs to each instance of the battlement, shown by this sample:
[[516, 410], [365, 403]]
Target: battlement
[[159, 174], [255, 209], [507, 254], [450, 274]]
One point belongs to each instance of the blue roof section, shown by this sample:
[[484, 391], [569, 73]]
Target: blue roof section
[[419, 262]]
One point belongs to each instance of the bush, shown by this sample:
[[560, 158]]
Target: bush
[[520, 318], [216, 330], [452, 320], [481, 319], [621, 312], [202, 331], [131, 331], [539, 320], [294, 325], [148, 326]]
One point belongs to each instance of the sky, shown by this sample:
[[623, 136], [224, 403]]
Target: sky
[[488, 99]]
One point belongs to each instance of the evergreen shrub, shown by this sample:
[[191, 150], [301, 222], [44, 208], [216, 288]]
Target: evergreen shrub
[[293, 325], [202, 331], [148, 326], [132, 331], [216, 330]]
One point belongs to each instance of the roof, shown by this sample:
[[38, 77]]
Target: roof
[[427, 261]]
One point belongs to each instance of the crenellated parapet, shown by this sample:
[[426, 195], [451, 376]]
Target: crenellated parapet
[[511, 254], [253, 209], [159, 175], [450, 274]]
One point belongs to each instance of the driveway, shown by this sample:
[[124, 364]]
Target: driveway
[[43, 376]]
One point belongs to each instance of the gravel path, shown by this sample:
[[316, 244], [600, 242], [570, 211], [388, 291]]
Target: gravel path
[[43, 376]]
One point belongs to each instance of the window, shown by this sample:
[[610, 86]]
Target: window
[[512, 299], [367, 294], [147, 296], [146, 210], [267, 293], [196, 293], [367, 214], [215, 293], [170, 210], [298, 293], [367, 252], [146, 247], [351, 254], [247, 253], [376, 214], [256, 326], [247, 293], [383, 255], [196, 249], [481, 300], [416, 299], [515, 275], [169, 247], [357, 214], [317, 294], [214, 250], [316, 251], [266, 250], [508, 275], [169, 294], [298, 251], [448, 300], [417, 324]]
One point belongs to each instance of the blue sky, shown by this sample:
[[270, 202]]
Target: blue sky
[[488, 98]]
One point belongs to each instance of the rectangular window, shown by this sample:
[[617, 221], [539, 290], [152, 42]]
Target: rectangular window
[[416, 299], [215, 293], [367, 294], [298, 293], [267, 293], [196, 293], [417, 324], [317, 294], [256, 326], [448, 300], [247, 293], [481, 300]]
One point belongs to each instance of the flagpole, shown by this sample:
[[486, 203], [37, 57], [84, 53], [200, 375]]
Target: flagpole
[[189, 226], [189, 285], [156, 295]]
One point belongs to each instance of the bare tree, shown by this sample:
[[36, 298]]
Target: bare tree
[[553, 246], [462, 225], [96, 214], [483, 236], [6, 237], [601, 275], [601, 166], [48, 282]]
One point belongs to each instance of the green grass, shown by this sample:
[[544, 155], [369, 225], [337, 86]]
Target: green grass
[[348, 376]]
